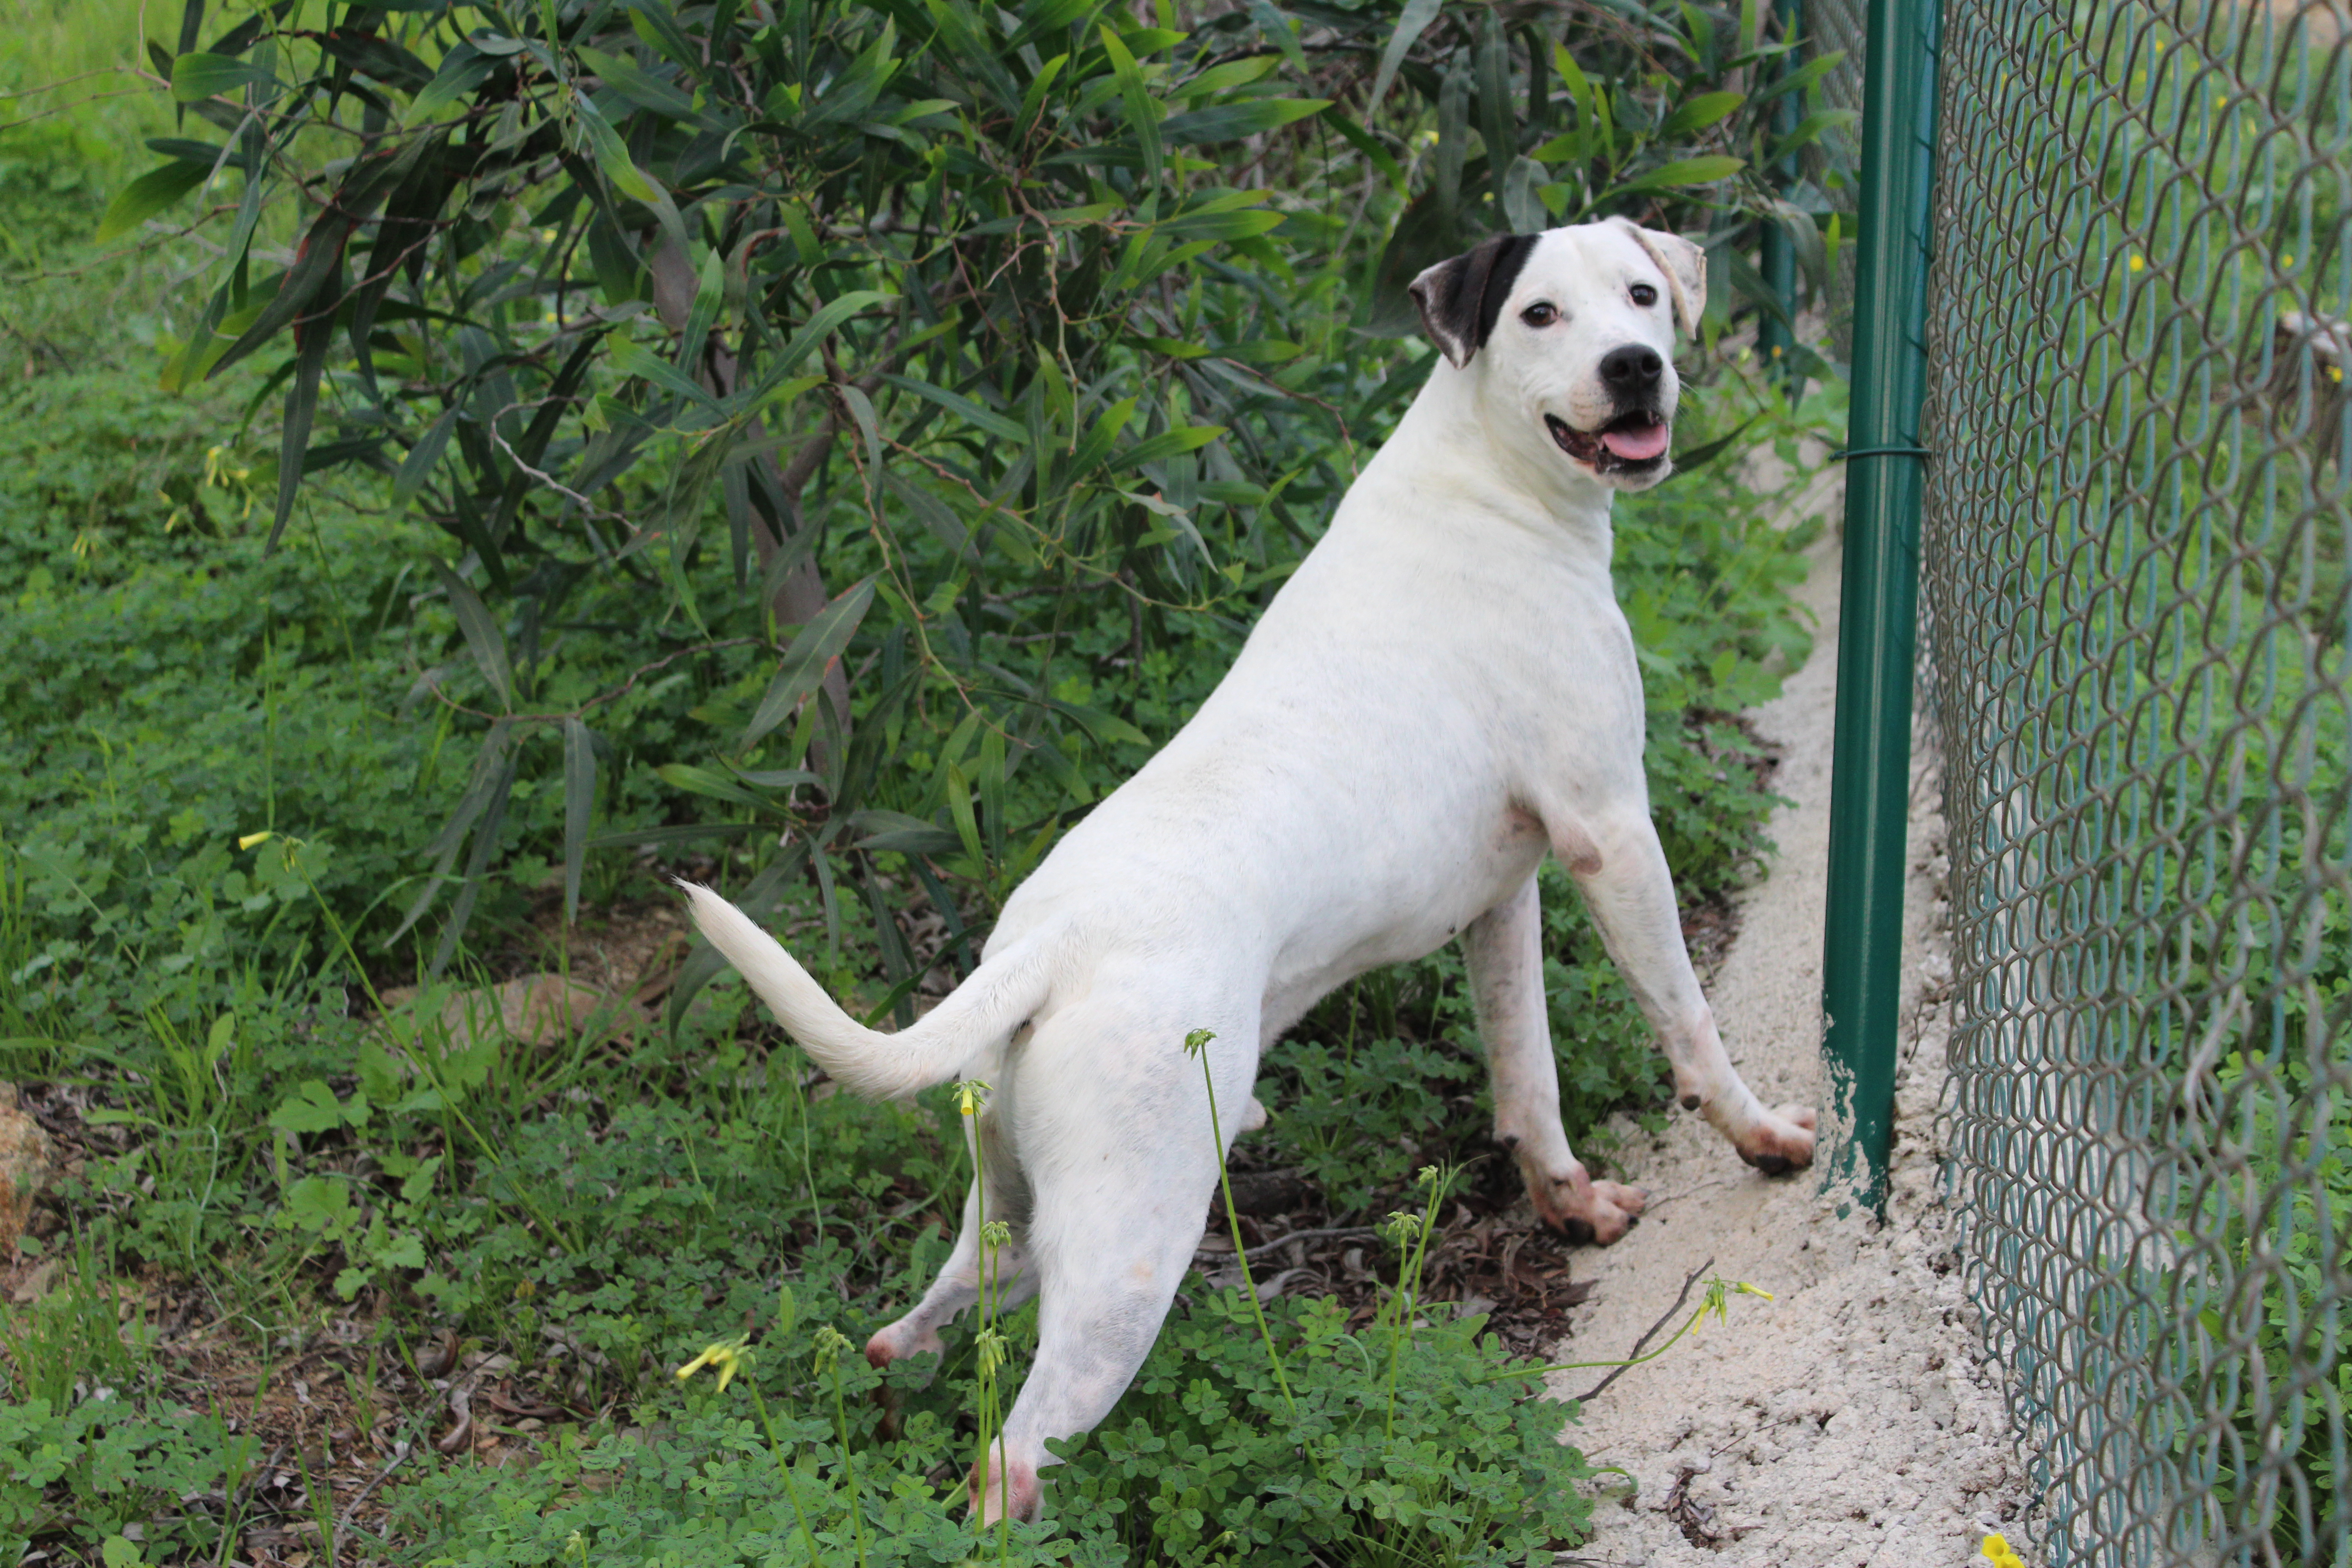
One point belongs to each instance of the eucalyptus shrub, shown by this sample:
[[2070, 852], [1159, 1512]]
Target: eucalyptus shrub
[[971, 338]]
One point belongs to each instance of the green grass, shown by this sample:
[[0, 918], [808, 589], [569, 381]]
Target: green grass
[[269, 1194]]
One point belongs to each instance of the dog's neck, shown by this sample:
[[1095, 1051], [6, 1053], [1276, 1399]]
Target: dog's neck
[[1470, 435]]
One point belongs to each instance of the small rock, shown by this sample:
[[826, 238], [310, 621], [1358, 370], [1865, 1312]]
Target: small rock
[[35, 1284], [25, 1157], [532, 1010]]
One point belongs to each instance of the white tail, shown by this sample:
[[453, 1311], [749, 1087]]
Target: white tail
[[993, 1002]]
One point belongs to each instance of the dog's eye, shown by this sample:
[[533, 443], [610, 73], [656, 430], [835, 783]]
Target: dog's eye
[[1542, 313], [1644, 296]]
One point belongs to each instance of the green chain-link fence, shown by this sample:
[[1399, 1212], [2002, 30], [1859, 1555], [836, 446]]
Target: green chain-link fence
[[2135, 564]]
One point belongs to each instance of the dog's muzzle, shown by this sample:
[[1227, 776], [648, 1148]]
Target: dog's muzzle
[[1632, 443]]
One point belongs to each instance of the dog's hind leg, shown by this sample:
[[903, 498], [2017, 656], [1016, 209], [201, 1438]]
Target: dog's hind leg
[[1107, 1285], [1011, 1279], [1123, 1163], [1622, 873], [1503, 952]]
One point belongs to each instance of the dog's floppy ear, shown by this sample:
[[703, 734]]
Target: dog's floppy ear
[[1460, 299], [1683, 264]]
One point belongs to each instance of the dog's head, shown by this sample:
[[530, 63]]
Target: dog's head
[[1570, 335]]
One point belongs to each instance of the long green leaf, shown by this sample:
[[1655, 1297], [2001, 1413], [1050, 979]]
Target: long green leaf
[[861, 409], [483, 638], [897, 831], [463, 69], [1169, 443], [703, 781], [148, 195], [320, 260], [1282, 30], [1102, 726], [1698, 113], [200, 76], [1708, 451], [1142, 109], [579, 807], [1684, 171], [988, 419], [635, 359], [1411, 21], [678, 833], [613, 157], [820, 326], [1230, 121], [804, 663], [302, 397], [422, 459], [638, 85]]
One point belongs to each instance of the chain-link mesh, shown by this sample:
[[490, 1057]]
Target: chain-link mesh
[[2134, 561]]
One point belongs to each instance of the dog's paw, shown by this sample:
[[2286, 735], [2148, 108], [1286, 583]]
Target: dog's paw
[[1781, 1140], [1591, 1211], [1004, 1489], [898, 1342]]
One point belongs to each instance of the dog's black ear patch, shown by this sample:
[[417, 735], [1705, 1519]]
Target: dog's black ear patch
[[1460, 300]]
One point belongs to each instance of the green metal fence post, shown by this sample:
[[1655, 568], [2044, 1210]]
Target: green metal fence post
[[1877, 629], [1780, 256]]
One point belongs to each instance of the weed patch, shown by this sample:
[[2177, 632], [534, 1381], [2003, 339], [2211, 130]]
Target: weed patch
[[321, 1271], [1203, 1461]]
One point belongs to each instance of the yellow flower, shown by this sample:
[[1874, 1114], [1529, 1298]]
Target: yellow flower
[[727, 1357], [2335, 372], [2000, 1554], [1745, 1289], [968, 1095], [250, 839], [2138, 263]]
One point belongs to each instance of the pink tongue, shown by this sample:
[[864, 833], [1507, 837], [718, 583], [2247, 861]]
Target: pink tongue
[[1636, 444]]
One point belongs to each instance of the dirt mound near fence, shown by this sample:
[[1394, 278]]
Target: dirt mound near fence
[[1855, 1419]]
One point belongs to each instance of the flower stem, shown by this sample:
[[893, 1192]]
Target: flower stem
[[1407, 1293], [785, 1470], [848, 1468], [1719, 1289], [1233, 1218]]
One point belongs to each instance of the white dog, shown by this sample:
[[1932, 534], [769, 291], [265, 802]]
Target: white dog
[[1442, 691]]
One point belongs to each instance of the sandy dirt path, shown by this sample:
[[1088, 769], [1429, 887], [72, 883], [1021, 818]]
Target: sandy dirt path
[[1853, 1420]]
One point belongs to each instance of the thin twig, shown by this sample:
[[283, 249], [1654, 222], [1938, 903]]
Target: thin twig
[[549, 480], [1663, 1318], [1279, 1242], [400, 1450]]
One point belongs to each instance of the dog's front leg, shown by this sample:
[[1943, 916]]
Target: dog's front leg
[[1503, 952], [1622, 873]]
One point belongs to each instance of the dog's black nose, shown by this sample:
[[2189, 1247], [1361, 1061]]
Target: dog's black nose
[[1631, 373]]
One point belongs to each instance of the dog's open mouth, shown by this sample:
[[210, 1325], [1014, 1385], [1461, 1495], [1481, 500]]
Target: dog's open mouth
[[1630, 443]]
